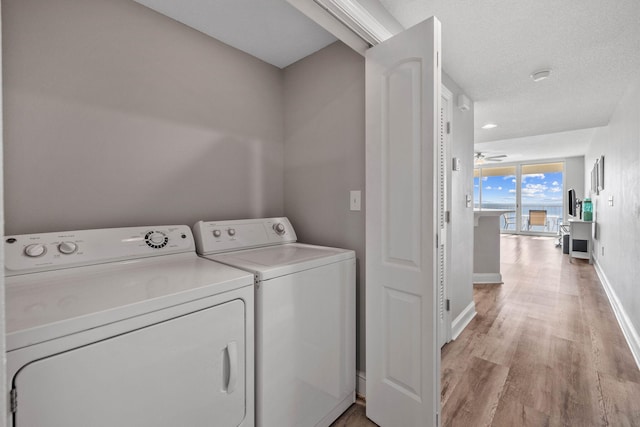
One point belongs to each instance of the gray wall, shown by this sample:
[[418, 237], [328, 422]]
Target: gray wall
[[460, 285], [619, 225], [118, 116], [324, 156]]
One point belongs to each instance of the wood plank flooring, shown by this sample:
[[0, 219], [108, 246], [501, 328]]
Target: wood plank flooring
[[545, 349]]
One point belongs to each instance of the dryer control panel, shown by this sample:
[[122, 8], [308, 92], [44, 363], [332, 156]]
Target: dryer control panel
[[29, 253], [223, 236]]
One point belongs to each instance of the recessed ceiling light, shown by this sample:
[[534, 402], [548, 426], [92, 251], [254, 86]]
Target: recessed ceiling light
[[540, 75], [489, 126]]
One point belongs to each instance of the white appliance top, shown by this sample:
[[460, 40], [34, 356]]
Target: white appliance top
[[275, 261], [264, 246], [112, 275]]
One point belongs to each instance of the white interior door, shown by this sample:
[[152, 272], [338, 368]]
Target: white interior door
[[444, 178], [402, 119]]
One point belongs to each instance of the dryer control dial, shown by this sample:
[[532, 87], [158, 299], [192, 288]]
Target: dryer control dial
[[279, 228], [217, 233], [35, 250], [67, 248], [231, 231], [156, 239]]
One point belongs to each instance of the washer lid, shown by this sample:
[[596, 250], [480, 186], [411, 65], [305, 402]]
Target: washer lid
[[48, 305], [280, 260]]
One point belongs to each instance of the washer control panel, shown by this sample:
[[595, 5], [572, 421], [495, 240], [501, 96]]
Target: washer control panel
[[28, 253], [222, 236]]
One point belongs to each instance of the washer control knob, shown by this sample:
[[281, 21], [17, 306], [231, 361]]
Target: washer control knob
[[231, 231], [279, 228], [67, 248], [216, 233], [35, 250]]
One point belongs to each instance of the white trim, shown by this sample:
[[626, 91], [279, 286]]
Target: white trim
[[358, 19], [361, 383], [448, 137], [320, 16], [463, 320], [487, 278], [629, 331]]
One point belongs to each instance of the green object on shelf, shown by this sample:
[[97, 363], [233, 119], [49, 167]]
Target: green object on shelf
[[587, 210]]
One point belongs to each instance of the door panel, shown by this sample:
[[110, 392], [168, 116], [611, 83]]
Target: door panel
[[403, 105], [186, 371], [401, 147]]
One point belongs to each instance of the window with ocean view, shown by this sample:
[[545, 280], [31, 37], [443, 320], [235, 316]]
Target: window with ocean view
[[532, 192]]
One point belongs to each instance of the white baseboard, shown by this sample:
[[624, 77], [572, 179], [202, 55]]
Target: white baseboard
[[629, 331], [486, 278], [361, 383], [463, 319]]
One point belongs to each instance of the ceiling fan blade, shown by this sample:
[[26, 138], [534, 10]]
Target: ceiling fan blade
[[493, 159], [498, 156]]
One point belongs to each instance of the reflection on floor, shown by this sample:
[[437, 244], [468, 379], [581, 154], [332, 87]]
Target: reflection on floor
[[544, 349]]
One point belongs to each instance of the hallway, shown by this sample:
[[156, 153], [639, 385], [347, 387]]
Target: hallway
[[544, 349]]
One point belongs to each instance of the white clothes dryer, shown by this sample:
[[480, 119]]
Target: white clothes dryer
[[305, 318], [126, 327]]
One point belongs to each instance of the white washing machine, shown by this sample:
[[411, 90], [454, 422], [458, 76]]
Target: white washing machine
[[126, 327], [305, 318]]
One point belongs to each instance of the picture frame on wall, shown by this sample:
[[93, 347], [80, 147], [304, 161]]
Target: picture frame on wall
[[601, 174]]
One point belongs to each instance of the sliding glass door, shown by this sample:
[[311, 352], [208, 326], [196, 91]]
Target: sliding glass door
[[533, 193], [541, 192]]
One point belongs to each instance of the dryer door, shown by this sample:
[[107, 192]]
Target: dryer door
[[187, 371]]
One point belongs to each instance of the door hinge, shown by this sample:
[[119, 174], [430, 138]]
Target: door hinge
[[447, 216], [13, 400], [448, 305], [448, 127]]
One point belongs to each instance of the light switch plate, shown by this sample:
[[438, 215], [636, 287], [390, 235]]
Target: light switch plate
[[354, 200]]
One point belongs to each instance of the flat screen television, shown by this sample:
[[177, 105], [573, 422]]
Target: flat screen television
[[572, 203]]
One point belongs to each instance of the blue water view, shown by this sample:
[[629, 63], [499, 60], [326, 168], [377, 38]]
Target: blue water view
[[539, 191]]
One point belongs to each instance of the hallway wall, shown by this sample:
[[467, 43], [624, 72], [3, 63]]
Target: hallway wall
[[617, 247]]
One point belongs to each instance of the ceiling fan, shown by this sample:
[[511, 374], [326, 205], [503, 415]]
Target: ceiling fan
[[480, 157]]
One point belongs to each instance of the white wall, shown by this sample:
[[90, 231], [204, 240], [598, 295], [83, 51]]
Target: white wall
[[116, 115], [460, 283], [617, 249], [324, 156]]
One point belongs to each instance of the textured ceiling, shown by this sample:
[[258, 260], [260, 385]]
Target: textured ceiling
[[490, 47], [271, 30], [540, 147]]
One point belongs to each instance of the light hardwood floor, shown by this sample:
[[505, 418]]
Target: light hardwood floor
[[545, 349]]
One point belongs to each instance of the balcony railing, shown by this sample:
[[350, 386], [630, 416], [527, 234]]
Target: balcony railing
[[508, 221]]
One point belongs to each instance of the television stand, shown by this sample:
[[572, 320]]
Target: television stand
[[580, 239]]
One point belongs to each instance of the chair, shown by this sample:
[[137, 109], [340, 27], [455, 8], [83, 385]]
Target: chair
[[509, 219], [537, 217]]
